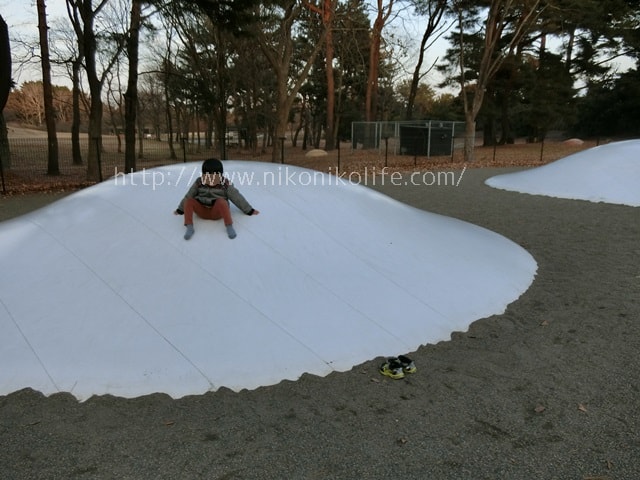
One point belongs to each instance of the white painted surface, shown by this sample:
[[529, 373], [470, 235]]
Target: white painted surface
[[609, 173], [101, 294]]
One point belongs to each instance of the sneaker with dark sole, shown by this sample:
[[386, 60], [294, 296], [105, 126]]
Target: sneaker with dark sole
[[392, 368], [408, 366]]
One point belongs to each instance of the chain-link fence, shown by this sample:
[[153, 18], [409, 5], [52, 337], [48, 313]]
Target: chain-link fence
[[416, 138], [423, 147], [26, 168]]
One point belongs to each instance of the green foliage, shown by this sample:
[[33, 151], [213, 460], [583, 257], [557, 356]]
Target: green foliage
[[229, 15], [534, 91], [550, 97], [424, 101], [610, 108]]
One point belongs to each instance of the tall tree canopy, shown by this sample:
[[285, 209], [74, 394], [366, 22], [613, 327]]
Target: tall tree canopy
[[263, 67]]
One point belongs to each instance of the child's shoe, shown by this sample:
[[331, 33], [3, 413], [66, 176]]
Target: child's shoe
[[407, 364], [189, 232], [392, 368]]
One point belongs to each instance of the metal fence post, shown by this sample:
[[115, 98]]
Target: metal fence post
[[386, 150], [282, 139], [98, 158]]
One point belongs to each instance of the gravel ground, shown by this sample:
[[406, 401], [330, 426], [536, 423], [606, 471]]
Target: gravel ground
[[547, 390]]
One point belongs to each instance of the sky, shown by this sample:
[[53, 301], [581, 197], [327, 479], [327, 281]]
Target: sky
[[22, 20], [23, 13]]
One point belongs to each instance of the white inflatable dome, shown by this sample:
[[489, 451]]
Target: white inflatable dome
[[100, 293], [608, 173]]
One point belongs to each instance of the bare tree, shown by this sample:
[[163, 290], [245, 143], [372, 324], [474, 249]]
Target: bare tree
[[383, 12], [202, 75], [327, 11], [435, 11], [65, 51], [276, 43], [83, 18], [73, 58], [53, 167], [131, 95], [62, 103], [163, 54], [28, 103], [151, 107], [114, 104], [520, 15]]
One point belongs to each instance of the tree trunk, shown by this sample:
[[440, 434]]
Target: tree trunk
[[489, 132], [221, 66], [131, 95], [5, 152], [281, 118], [469, 137], [168, 112], [371, 96], [370, 101], [435, 9], [415, 81], [279, 57], [76, 151], [89, 47], [94, 172], [570, 45], [5, 64], [505, 122], [141, 136], [82, 16], [331, 90], [497, 19], [327, 13], [53, 167], [5, 87]]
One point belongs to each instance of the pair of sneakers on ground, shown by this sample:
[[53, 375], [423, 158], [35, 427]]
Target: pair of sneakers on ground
[[398, 367]]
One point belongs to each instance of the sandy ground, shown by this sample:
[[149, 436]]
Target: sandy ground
[[547, 390]]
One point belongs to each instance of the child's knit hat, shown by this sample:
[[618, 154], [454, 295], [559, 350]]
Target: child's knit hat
[[212, 165]]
